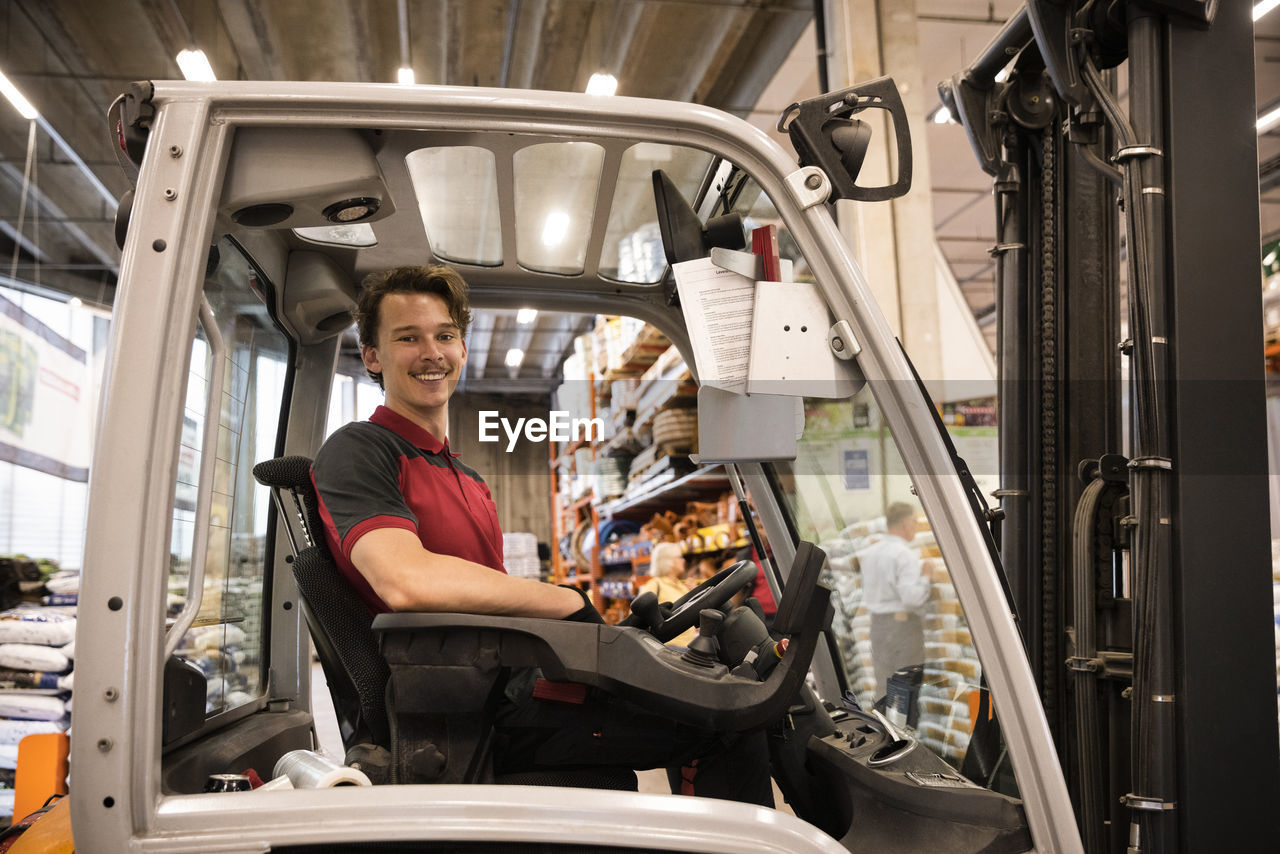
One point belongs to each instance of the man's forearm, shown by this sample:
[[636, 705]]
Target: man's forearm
[[409, 578]]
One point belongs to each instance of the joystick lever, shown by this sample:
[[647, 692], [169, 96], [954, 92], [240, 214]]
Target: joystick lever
[[703, 649]]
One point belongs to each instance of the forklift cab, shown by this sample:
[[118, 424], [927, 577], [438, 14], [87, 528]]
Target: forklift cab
[[257, 210]]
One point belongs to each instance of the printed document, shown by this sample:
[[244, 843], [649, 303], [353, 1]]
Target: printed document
[[718, 308]]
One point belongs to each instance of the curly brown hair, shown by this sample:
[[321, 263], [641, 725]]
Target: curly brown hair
[[444, 282]]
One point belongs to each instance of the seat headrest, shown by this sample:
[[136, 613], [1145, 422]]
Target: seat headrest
[[284, 472]]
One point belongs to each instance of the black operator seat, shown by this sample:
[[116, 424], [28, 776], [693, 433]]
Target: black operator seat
[[453, 748]]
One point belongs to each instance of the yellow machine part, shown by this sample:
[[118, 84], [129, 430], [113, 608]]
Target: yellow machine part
[[49, 834]]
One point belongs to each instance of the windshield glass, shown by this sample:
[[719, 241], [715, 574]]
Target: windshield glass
[[901, 632]]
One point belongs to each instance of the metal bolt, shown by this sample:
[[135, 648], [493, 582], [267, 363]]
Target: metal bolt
[[111, 695], [104, 744], [837, 344], [813, 182], [170, 194], [175, 151]]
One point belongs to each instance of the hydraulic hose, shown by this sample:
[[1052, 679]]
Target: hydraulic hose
[[1088, 746]]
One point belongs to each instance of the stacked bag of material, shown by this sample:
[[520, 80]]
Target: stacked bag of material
[[951, 672], [219, 651], [520, 555], [37, 649], [951, 667], [851, 625]]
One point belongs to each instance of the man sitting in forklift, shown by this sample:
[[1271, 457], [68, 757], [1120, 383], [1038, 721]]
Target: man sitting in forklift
[[413, 529]]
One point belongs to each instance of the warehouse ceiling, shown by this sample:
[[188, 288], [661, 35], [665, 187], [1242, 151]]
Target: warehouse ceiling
[[749, 57]]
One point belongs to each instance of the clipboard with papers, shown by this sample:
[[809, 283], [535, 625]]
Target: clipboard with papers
[[756, 337]]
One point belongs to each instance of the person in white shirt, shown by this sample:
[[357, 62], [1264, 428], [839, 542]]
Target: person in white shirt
[[896, 590]]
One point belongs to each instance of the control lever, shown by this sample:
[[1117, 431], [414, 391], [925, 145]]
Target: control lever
[[702, 649], [900, 744], [647, 610]]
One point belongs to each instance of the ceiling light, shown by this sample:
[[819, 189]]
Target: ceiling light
[[1264, 7], [74, 302], [21, 104], [525, 316], [404, 76], [555, 228], [514, 357], [351, 210], [343, 234], [195, 66], [602, 84], [941, 115], [1269, 118]]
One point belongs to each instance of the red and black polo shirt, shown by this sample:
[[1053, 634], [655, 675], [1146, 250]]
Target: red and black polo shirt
[[388, 472]]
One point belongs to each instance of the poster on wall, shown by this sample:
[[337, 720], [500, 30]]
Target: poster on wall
[[45, 397], [857, 469]]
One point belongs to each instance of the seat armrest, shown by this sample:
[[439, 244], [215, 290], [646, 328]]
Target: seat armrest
[[628, 662]]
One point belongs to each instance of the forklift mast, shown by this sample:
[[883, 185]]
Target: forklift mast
[[1132, 428]]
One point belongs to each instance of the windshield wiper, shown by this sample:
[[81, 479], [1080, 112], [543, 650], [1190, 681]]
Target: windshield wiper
[[988, 519]]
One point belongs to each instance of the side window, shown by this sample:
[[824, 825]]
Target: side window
[[236, 376], [902, 635]]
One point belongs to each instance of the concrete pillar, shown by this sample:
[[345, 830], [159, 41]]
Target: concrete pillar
[[892, 240]]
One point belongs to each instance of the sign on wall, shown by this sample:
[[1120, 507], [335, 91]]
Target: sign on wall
[[45, 397]]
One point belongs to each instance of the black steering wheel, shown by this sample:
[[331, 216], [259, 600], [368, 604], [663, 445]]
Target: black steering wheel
[[683, 613]]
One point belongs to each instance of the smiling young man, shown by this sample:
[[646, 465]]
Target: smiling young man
[[410, 526], [413, 529]]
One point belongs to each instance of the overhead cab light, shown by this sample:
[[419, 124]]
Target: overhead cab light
[[514, 357], [195, 66], [602, 84], [351, 210], [358, 234], [21, 104], [404, 76]]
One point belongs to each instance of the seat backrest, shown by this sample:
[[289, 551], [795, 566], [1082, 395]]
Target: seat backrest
[[339, 621]]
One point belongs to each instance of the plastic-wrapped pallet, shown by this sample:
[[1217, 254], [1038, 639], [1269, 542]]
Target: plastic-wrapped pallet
[[520, 555]]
